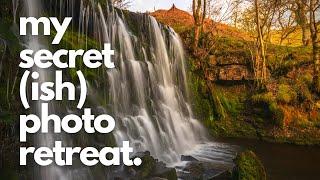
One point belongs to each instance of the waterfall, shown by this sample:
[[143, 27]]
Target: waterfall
[[148, 89], [15, 5], [34, 9], [146, 93]]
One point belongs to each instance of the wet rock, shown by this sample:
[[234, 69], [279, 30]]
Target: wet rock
[[150, 169], [203, 170], [188, 158], [164, 172], [157, 178], [248, 166], [226, 175]]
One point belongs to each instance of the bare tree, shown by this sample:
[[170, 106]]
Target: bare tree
[[300, 9], [236, 12], [314, 7], [286, 20], [122, 4], [260, 61], [199, 9]]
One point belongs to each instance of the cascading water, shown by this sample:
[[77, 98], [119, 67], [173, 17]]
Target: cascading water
[[146, 93], [34, 9]]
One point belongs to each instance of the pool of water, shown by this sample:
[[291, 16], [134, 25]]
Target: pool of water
[[283, 161]]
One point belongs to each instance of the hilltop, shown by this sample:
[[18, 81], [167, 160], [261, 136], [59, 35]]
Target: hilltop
[[182, 21]]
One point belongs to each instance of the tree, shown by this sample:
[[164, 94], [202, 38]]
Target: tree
[[235, 12], [314, 6], [300, 9], [199, 9], [122, 4], [285, 20], [260, 64]]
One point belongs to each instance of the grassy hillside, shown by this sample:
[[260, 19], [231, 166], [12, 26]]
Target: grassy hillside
[[294, 39]]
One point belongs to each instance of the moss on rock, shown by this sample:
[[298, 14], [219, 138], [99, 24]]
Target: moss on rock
[[248, 167]]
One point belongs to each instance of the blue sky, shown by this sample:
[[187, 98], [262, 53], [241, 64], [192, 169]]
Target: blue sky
[[149, 5]]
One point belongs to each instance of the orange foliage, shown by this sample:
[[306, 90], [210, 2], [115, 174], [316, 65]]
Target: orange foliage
[[175, 18]]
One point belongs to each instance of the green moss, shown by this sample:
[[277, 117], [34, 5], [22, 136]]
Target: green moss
[[286, 94], [7, 34], [282, 59], [6, 118], [248, 167], [201, 102], [263, 98], [76, 41], [275, 111], [302, 87], [233, 128], [226, 104], [147, 166], [277, 114]]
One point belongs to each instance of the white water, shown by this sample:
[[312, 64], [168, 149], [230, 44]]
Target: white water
[[33, 9], [147, 93]]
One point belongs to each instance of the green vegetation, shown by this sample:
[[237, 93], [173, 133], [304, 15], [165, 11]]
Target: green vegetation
[[73, 40], [287, 101], [248, 167], [200, 102]]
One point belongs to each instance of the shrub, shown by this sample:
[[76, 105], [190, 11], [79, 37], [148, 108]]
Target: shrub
[[286, 94], [307, 79], [302, 85], [301, 122], [275, 111], [266, 98], [277, 114]]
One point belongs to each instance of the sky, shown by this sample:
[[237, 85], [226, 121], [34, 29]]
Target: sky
[[149, 5]]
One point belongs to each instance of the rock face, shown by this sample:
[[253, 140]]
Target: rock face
[[234, 73], [228, 68], [248, 167]]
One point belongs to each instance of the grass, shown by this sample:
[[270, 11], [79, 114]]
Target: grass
[[286, 94], [269, 100], [294, 39]]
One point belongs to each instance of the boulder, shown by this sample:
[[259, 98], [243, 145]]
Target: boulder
[[188, 158], [248, 167], [150, 169]]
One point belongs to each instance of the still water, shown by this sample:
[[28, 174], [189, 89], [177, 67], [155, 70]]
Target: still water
[[284, 161]]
